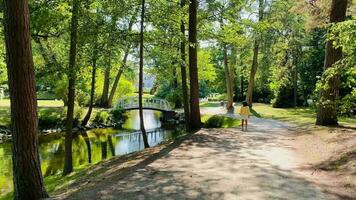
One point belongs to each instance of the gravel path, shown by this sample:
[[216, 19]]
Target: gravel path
[[214, 164]]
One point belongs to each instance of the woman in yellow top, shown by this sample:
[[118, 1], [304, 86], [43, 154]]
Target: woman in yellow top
[[245, 114]]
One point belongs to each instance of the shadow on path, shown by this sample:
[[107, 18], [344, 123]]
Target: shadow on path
[[211, 164]]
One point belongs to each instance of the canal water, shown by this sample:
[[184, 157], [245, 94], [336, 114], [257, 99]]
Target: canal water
[[91, 146]]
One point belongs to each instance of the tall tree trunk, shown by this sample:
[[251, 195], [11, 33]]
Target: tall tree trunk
[[242, 84], [68, 161], [118, 76], [326, 111], [92, 93], [229, 83], [295, 82], [123, 64], [140, 87], [183, 70], [177, 101], [27, 175], [195, 122], [233, 72], [251, 83], [105, 94]]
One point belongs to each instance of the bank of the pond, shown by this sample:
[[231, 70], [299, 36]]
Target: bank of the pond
[[58, 184], [90, 147]]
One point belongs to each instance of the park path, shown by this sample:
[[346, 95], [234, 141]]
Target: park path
[[214, 164]]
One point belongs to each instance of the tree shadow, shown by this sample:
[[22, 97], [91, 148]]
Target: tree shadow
[[211, 164]]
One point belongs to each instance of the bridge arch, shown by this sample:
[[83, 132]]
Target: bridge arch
[[131, 103]]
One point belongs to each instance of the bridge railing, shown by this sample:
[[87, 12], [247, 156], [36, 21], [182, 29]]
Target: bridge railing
[[154, 103]]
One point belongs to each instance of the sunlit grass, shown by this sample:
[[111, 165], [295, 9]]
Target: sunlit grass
[[209, 104], [56, 182], [41, 103], [225, 122], [302, 116]]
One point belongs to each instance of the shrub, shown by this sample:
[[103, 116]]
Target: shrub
[[347, 105], [50, 118], [217, 121], [214, 122], [117, 117], [81, 98], [101, 117]]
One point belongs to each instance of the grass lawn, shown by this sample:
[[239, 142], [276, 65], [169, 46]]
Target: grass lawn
[[44, 107], [210, 104], [301, 116], [41, 103], [53, 183]]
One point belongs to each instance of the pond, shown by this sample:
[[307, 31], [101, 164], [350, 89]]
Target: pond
[[91, 146]]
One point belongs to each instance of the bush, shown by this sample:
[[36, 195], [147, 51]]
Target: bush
[[214, 122], [81, 98], [347, 105], [50, 118], [101, 118], [217, 121], [117, 117], [284, 98]]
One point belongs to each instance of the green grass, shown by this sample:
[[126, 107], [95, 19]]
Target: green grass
[[52, 107], [56, 182], [210, 104], [301, 116], [215, 121], [4, 103]]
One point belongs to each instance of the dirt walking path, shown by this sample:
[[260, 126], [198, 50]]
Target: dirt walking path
[[216, 164]]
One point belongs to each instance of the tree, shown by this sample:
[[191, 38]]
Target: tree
[[140, 87], [229, 82], [93, 46], [123, 63], [92, 91], [326, 111], [251, 83], [27, 174], [105, 93], [68, 161], [195, 122], [183, 69]]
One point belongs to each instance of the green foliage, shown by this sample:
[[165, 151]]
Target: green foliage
[[117, 117], [217, 121], [343, 36], [206, 68], [50, 118], [283, 97], [348, 104], [81, 98], [61, 90], [101, 118], [214, 122]]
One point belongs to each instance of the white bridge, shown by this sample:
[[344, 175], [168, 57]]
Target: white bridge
[[131, 103]]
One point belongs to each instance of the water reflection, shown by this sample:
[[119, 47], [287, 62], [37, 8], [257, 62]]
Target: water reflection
[[89, 147]]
